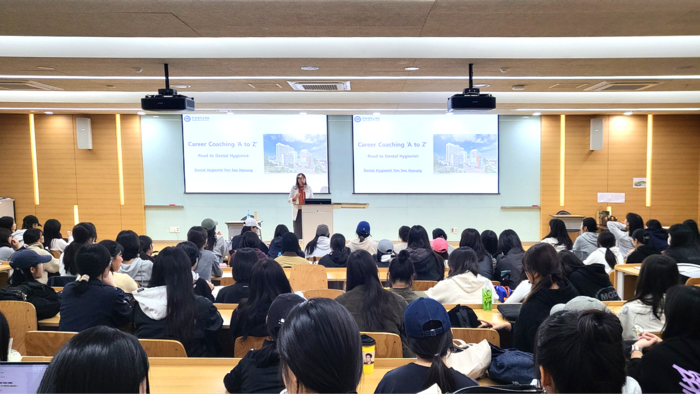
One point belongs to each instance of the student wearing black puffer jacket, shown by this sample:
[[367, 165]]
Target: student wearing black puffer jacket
[[338, 257], [428, 265], [642, 247], [28, 267], [589, 280]]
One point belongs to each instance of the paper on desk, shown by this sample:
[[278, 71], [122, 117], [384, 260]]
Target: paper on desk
[[611, 197]]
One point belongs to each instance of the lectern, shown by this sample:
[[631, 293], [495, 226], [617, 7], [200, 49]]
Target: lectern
[[315, 214]]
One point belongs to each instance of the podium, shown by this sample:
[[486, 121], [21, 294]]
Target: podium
[[572, 222], [314, 214], [235, 227]]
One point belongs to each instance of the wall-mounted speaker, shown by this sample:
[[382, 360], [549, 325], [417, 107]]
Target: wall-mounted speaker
[[83, 131], [597, 125]]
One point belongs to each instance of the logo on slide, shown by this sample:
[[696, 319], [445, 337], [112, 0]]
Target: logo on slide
[[358, 119], [187, 118]]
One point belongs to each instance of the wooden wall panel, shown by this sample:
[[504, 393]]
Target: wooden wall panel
[[549, 170], [627, 160], [132, 212], [16, 165]]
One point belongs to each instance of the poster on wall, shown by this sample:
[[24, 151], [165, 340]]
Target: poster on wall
[[639, 183]]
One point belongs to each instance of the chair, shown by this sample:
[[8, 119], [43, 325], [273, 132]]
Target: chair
[[163, 348], [423, 285], [307, 276], [476, 335], [241, 346], [388, 344], [226, 281], [56, 254], [225, 307], [57, 289], [21, 316], [46, 343], [614, 303], [322, 293], [692, 282]]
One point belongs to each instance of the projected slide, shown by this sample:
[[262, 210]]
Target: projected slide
[[425, 153], [254, 153]]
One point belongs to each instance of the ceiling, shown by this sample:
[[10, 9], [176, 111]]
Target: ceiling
[[555, 49]]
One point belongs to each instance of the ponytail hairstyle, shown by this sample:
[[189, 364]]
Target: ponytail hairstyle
[[92, 260], [641, 236], [211, 239], [81, 236], [463, 260], [172, 268], [52, 230], [472, 239], [558, 231], [634, 222], [362, 271], [401, 268], [490, 241], [542, 259], [606, 240], [658, 274], [582, 351]]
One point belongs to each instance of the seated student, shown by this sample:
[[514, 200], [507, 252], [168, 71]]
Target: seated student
[[693, 226], [587, 241], [472, 239], [520, 293], [509, 264], [642, 247], [169, 309], [201, 286], [81, 236], [276, 244], [93, 231], [250, 224], [682, 246], [440, 233], [671, 365], [401, 275], [94, 299], [242, 269], [440, 247], [608, 255], [123, 281], [430, 337], [8, 245], [6, 352], [28, 267], [403, 237], [267, 281], [549, 287], [321, 244], [338, 257], [53, 240], [138, 269], [29, 222], [98, 360], [250, 240], [34, 240], [581, 352], [589, 280], [145, 248], [259, 370], [428, 265], [208, 264], [8, 222], [385, 253], [645, 311], [624, 238], [464, 284], [215, 242], [658, 236], [372, 307], [289, 257], [558, 236], [490, 241], [362, 242]]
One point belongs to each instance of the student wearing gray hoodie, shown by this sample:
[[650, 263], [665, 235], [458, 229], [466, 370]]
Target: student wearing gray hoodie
[[587, 242], [139, 270]]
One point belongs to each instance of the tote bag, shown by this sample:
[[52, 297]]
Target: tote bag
[[472, 359]]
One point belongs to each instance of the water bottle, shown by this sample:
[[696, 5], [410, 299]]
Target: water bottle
[[486, 299]]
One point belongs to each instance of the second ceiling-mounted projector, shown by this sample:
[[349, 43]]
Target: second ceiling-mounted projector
[[471, 100], [167, 99]]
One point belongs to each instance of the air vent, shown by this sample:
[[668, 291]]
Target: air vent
[[325, 86], [26, 85], [621, 86]]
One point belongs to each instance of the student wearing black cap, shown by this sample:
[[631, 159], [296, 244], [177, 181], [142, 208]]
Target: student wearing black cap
[[259, 370], [28, 266], [29, 222]]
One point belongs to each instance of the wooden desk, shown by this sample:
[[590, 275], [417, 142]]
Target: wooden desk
[[626, 280], [5, 266]]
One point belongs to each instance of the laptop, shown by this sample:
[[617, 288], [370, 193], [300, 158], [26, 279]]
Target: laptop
[[21, 377]]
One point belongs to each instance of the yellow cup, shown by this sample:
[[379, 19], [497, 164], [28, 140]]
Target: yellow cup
[[368, 348]]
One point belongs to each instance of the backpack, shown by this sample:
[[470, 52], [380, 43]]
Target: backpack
[[44, 298], [462, 316]]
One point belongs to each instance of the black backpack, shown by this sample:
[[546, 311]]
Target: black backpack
[[44, 298], [462, 316]]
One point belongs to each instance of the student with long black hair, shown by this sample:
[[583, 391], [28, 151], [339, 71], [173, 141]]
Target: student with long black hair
[[53, 240], [587, 241], [430, 337], [401, 275], [464, 284], [658, 236], [329, 360], [338, 256], [642, 247], [646, 310], [682, 246], [138, 269], [28, 267], [123, 281], [624, 238], [266, 283], [201, 286], [608, 255], [208, 264], [558, 236], [373, 308], [490, 241], [403, 237], [289, 258], [98, 360], [242, 270], [428, 265], [589, 280], [321, 244], [81, 236], [169, 309], [276, 244], [145, 247], [509, 264], [472, 239], [8, 222], [215, 242], [94, 299], [693, 226], [250, 240]]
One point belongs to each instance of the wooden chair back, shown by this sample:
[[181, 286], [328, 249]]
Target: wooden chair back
[[241, 346], [388, 344], [226, 281], [322, 293], [612, 277], [56, 254], [225, 307], [476, 335], [46, 343], [423, 285], [57, 289], [163, 348], [227, 270], [21, 317], [692, 282], [308, 276], [614, 303]]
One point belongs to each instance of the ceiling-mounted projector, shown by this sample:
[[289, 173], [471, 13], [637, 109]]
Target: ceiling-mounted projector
[[471, 100], [167, 99]]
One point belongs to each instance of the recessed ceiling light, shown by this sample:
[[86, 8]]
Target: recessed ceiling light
[[302, 113], [309, 68], [537, 114], [482, 85], [180, 86], [628, 113], [376, 114], [412, 68], [45, 68], [48, 113], [140, 113]]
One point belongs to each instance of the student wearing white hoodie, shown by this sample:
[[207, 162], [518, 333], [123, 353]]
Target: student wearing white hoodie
[[362, 242], [463, 285], [607, 253], [587, 242], [321, 244], [169, 309], [138, 269]]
